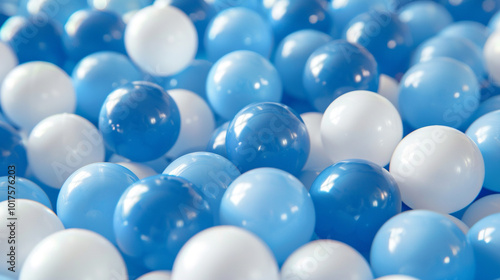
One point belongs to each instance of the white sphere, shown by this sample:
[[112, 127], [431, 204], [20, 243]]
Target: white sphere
[[34, 222], [461, 225], [61, 144], [491, 53], [75, 254], [397, 277], [481, 208], [225, 253], [140, 170], [388, 87], [35, 90], [317, 159], [197, 123], [161, 40], [361, 124], [156, 275], [8, 61], [326, 259], [438, 168]]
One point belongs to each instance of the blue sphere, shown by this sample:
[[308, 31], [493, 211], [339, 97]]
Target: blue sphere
[[156, 216], [121, 7], [353, 199], [239, 79], [192, 78], [422, 244], [34, 39], [272, 204], [217, 143], [489, 105], [90, 31], [494, 23], [21, 188], [291, 57], [485, 132], [475, 10], [238, 29], [12, 151], [96, 76], [336, 68], [473, 31], [384, 36], [57, 10], [484, 236], [268, 135], [441, 91], [139, 121], [255, 5], [89, 196]]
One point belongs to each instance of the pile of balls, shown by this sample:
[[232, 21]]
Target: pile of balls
[[249, 139]]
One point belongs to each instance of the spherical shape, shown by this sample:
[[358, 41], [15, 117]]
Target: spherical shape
[[121, 7], [156, 275], [318, 158], [397, 277], [481, 208], [22, 188], [57, 10], [484, 237], [9, 60], [476, 10], [13, 151], [140, 170], [438, 168], [217, 143], [473, 31], [389, 88], [491, 54]]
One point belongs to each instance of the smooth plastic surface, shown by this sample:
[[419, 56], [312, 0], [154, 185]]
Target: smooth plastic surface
[[318, 157], [491, 54], [475, 32], [22, 188], [9, 60], [121, 7], [57, 10], [140, 170], [217, 143], [476, 10], [156, 275], [481, 208], [13, 151], [389, 88], [484, 237]]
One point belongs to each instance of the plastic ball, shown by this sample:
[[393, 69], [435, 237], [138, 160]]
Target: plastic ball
[[34, 222], [270, 203], [238, 29], [336, 68], [384, 36], [140, 170], [397, 277], [318, 158], [161, 53], [476, 10], [75, 254], [121, 7], [13, 151], [475, 32], [255, 5], [225, 252], [96, 76], [197, 123], [57, 10], [438, 168], [156, 216], [441, 91], [217, 143], [487, 106], [389, 88], [239, 79], [291, 57], [192, 78], [156, 275], [140, 121], [61, 144], [491, 54], [484, 237], [494, 22], [268, 135], [461, 225], [22, 188], [481, 208], [9, 60], [326, 259], [422, 244], [352, 200]]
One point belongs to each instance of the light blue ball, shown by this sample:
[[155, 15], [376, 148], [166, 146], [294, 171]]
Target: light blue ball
[[473, 31], [217, 143], [21, 188], [484, 237]]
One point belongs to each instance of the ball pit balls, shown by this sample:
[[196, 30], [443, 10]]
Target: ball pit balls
[[490, 53], [481, 208], [484, 237], [9, 60], [13, 150], [26, 190]]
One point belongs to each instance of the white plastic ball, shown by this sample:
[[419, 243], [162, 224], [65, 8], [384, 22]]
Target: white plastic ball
[[361, 125], [317, 159], [481, 208], [225, 253], [197, 123], [8, 59], [388, 87], [491, 53], [34, 222], [75, 254], [140, 170], [438, 168], [61, 144], [35, 90], [326, 259], [156, 275], [460, 224], [161, 40], [397, 277]]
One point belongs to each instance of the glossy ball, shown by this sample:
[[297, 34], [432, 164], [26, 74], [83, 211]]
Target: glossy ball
[[156, 216], [481, 208], [65, 264], [475, 10], [389, 88], [473, 31], [494, 22], [441, 91], [361, 124], [438, 168], [22, 188], [57, 10], [484, 237], [96, 76], [225, 252], [161, 53], [217, 143], [487, 106], [121, 7], [397, 277], [13, 151], [422, 244], [9, 60], [239, 79], [291, 57], [268, 135], [336, 68], [491, 54], [140, 170], [61, 144], [318, 157], [156, 275], [140, 121], [330, 259], [192, 78], [270, 203]]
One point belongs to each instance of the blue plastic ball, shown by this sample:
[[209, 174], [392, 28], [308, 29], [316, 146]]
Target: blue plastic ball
[[422, 244], [89, 197], [255, 5], [121, 7], [336, 68], [90, 31], [156, 216], [353, 199], [268, 135], [239, 79], [489, 105], [217, 143], [21, 188], [238, 29], [139, 121], [291, 57], [96, 76], [272, 204], [12, 151], [476, 10], [193, 78], [494, 23], [475, 32], [484, 237], [441, 91], [57, 10]]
